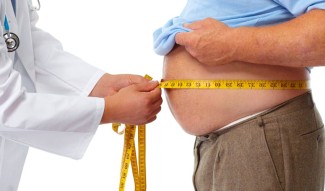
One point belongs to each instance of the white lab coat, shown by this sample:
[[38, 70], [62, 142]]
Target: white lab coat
[[43, 96]]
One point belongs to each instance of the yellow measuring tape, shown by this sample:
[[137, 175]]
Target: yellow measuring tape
[[237, 84], [129, 150], [130, 155]]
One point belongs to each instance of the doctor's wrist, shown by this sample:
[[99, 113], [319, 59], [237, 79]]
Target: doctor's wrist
[[107, 115], [101, 89]]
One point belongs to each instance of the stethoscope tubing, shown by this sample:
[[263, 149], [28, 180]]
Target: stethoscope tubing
[[11, 39]]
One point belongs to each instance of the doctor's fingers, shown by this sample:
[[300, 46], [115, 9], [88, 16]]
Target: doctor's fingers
[[152, 101], [151, 119], [156, 105], [125, 80], [154, 96], [136, 79], [153, 114], [146, 86]]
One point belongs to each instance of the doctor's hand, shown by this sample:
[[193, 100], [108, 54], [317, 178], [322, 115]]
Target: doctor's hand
[[210, 41], [110, 84], [135, 104]]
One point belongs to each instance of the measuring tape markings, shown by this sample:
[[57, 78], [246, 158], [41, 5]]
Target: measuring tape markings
[[129, 154], [129, 149], [142, 156], [236, 84]]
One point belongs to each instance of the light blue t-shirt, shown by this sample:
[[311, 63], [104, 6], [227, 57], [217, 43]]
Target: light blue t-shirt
[[234, 13]]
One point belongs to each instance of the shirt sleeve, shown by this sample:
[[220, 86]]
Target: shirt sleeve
[[299, 7]]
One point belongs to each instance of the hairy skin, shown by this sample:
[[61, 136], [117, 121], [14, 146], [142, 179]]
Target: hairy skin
[[212, 50], [296, 43]]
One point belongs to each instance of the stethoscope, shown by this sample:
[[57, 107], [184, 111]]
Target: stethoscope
[[11, 39]]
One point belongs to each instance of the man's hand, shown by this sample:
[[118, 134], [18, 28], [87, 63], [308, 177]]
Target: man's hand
[[299, 42], [111, 84], [210, 42], [135, 104]]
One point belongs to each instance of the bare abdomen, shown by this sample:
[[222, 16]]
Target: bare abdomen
[[202, 111]]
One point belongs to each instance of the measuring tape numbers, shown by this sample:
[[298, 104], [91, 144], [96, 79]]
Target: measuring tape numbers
[[130, 155], [236, 84], [138, 160]]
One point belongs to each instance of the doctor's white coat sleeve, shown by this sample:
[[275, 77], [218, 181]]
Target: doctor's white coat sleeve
[[58, 117], [68, 74]]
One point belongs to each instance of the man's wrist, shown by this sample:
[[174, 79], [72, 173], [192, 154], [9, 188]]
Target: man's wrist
[[241, 44]]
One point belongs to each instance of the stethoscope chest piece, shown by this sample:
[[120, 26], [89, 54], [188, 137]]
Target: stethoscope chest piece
[[12, 41]]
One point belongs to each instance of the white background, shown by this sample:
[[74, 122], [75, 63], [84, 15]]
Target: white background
[[116, 36]]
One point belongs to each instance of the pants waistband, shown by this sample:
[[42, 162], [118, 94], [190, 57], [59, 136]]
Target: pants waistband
[[302, 101]]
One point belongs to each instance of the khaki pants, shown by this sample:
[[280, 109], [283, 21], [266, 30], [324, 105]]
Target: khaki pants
[[279, 150]]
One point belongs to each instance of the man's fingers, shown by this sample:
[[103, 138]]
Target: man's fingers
[[194, 26], [181, 38]]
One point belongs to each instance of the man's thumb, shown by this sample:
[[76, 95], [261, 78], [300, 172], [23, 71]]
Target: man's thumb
[[180, 38]]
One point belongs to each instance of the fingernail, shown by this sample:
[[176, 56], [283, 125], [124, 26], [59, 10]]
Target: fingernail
[[153, 81]]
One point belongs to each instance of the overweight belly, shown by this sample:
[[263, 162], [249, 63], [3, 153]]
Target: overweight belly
[[203, 111]]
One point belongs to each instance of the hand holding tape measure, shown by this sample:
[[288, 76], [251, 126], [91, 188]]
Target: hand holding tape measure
[[130, 155], [129, 150]]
